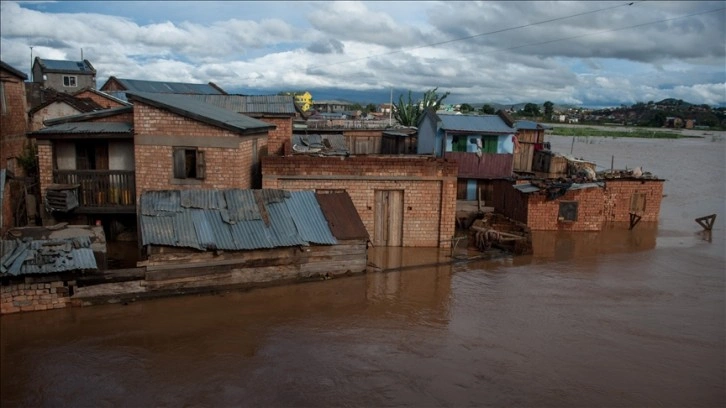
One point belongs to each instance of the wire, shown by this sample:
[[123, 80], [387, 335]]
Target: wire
[[476, 35]]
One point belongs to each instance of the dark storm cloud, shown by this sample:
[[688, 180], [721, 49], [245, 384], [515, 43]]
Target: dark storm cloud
[[331, 46]]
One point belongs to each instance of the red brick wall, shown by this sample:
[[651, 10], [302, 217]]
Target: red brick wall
[[278, 137], [103, 101], [543, 215], [121, 117], [14, 122], [225, 167], [429, 187], [620, 192]]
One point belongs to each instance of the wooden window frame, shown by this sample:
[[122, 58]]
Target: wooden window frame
[[564, 213], [179, 163]]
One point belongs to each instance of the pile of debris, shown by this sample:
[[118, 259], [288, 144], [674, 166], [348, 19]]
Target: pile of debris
[[626, 174], [497, 231]]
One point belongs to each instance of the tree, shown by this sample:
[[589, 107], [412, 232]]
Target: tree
[[409, 113], [371, 108], [531, 109], [549, 109], [487, 109], [466, 108]]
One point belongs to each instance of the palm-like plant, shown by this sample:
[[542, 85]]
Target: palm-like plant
[[409, 113]]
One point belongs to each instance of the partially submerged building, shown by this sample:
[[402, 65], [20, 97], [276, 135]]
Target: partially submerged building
[[215, 238], [579, 204]]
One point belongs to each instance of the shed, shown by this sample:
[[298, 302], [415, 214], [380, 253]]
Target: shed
[[212, 238]]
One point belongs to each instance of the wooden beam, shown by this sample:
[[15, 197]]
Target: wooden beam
[[706, 221], [634, 220]]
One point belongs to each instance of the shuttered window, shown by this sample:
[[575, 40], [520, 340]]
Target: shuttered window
[[189, 163], [637, 203]]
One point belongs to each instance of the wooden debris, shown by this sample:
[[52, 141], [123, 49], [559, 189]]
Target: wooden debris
[[706, 221]]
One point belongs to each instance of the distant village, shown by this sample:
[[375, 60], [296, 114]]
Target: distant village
[[142, 188]]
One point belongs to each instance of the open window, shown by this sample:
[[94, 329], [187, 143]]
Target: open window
[[189, 163], [568, 211]]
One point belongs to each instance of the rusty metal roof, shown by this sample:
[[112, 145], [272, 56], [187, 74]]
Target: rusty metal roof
[[233, 219], [46, 256], [343, 219]]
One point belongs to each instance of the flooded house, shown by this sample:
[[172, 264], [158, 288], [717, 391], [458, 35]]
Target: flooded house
[[40, 267], [12, 144], [529, 140], [94, 166], [481, 145], [407, 201], [216, 238], [581, 204]]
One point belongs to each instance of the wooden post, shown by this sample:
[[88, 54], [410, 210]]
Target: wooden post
[[706, 221], [634, 220]]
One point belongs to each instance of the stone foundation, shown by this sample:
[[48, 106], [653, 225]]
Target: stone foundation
[[28, 297]]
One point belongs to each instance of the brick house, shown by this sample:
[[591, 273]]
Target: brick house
[[482, 145], [12, 142], [551, 206], [162, 141], [278, 110], [103, 99], [57, 105], [64, 76], [405, 201]]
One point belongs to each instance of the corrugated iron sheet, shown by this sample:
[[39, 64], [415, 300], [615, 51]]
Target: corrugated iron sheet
[[47, 256], [87, 127], [62, 65], [232, 219], [250, 104], [309, 218], [343, 219], [475, 123], [137, 85]]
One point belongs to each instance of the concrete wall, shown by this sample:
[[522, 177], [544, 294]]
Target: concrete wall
[[429, 186], [52, 111]]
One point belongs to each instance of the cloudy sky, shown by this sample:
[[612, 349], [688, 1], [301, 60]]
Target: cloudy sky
[[581, 53]]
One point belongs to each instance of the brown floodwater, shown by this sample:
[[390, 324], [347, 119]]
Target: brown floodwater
[[611, 319]]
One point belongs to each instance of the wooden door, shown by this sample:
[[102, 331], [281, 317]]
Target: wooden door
[[388, 218]]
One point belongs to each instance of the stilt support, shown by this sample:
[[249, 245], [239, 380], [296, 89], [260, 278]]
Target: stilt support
[[706, 222], [634, 220]]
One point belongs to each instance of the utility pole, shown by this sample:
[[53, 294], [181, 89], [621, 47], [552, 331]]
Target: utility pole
[[31, 63], [390, 110]]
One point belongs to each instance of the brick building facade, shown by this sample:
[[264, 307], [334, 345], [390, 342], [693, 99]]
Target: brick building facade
[[584, 208], [402, 201], [12, 136]]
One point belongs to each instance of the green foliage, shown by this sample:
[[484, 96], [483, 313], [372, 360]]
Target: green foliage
[[371, 108], [531, 109], [487, 109], [549, 109], [408, 113], [28, 159], [466, 108]]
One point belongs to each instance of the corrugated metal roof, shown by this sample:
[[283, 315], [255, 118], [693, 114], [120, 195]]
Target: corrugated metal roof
[[189, 106], [343, 219], [475, 123], [139, 85], [334, 144], [271, 104], [46, 256], [86, 127], [525, 124], [232, 219], [61, 65], [308, 218], [13, 70]]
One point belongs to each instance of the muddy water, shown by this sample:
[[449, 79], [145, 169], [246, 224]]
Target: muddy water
[[612, 319]]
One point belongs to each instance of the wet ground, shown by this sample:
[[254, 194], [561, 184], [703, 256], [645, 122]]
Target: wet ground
[[612, 319]]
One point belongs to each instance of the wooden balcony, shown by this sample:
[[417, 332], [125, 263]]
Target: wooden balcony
[[488, 166], [101, 191]]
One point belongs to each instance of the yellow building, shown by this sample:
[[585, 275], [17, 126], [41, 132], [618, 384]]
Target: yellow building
[[304, 100]]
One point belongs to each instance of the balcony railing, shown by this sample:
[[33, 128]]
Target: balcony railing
[[107, 189], [486, 166]]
